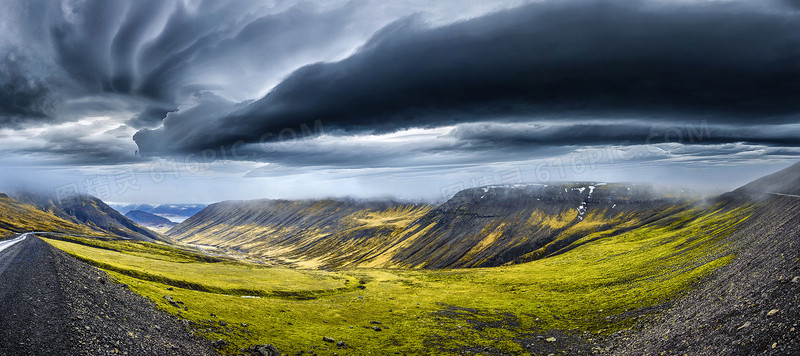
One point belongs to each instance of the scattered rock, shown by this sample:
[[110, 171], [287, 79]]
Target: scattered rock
[[219, 343], [170, 288], [328, 339], [341, 345], [796, 280], [222, 323], [264, 350], [772, 312], [376, 328], [375, 322], [550, 339]]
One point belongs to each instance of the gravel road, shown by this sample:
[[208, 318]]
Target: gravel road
[[50, 303]]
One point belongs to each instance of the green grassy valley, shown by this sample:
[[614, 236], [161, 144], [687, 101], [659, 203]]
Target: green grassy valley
[[607, 280]]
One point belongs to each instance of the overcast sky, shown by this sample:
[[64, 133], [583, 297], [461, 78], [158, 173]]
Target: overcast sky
[[155, 101]]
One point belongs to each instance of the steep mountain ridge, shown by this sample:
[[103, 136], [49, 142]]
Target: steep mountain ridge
[[494, 225], [306, 232], [785, 181], [177, 209], [91, 212], [173, 212], [18, 217], [150, 221], [749, 306], [478, 227]]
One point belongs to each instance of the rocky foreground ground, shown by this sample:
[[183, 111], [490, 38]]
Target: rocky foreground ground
[[61, 306], [749, 307]]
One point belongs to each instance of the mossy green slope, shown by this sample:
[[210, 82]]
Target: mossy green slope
[[479, 227], [599, 285], [18, 217], [91, 212], [312, 233]]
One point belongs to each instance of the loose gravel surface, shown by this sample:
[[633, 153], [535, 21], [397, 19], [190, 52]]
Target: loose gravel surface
[[50, 303], [751, 306]]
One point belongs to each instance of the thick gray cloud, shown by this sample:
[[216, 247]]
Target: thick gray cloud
[[167, 51], [728, 62], [484, 143], [413, 92], [496, 136], [22, 97]]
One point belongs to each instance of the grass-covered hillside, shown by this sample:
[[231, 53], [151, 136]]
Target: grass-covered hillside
[[479, 227], [313, 233], [604, 283], [18, 217], [91, 212]]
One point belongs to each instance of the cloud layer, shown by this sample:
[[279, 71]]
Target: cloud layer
[[563, 60], [413, 92]]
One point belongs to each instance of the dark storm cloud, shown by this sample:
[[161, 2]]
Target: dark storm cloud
[[483, 143], [166, 51], [793, 3], [728, 62], [22, 96], [512, 136], [150, 117], [273, 40]]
